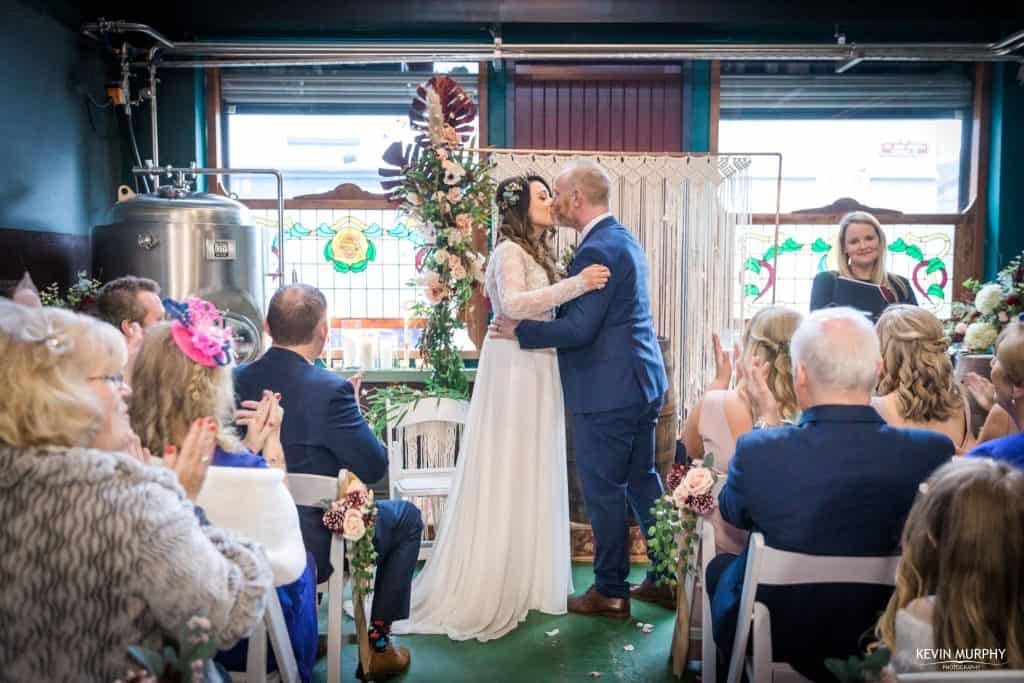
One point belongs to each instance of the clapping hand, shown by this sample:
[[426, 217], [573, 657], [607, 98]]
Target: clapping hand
[[192, 460], [983, 391], [723, 365], [765, 405], [262, 419], [136, 450]]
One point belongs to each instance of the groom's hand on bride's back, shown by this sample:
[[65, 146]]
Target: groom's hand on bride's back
[[502, 327]]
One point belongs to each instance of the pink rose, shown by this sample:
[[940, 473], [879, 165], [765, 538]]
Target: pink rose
[[353, 528], [455, 195], [458, 271], [1003, 317], [697, 481], [434, 289], [442, 153], [679, 497], [961, 329]]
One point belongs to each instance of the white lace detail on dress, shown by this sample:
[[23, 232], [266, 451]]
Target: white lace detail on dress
[[518, 287]]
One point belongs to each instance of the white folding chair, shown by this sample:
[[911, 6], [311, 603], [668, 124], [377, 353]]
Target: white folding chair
[[963, 676], [272, 626], [417, 469], [309, 490], [769, 566], [708, 652]]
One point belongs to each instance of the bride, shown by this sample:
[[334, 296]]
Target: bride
[[503, 547]]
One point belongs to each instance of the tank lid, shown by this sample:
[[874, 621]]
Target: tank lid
[[196, 207]]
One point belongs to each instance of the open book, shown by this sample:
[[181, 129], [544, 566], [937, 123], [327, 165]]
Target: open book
[[864, 296]]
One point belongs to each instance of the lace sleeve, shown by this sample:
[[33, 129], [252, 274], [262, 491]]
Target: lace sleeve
[[517, 301]]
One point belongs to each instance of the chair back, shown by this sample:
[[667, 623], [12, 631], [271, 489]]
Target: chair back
[[425, 439], [770, 566]]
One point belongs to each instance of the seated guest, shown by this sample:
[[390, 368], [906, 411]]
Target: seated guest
[[324, 432], [132, 305], [1008, 389], [955, 588], [723, 415], [838, 483], [101, 551], [862, 281], [191, 358], [916, 386]]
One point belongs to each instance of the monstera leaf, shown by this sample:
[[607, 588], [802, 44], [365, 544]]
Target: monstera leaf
[[453, 107], [457, 110]]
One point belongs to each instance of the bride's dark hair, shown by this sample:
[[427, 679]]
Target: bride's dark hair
[[513, 200]]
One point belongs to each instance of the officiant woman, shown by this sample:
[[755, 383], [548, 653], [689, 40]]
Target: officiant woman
[[862, 280]]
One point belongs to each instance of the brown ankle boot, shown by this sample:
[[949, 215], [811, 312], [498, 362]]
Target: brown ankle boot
[[392, 661]]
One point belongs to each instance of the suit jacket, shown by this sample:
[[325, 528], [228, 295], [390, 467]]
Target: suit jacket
[[839, 483], [323, 430], [608, 354]]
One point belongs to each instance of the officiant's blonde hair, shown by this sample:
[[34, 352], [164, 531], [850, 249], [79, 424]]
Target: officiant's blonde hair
[[879, 274], [170, 391]]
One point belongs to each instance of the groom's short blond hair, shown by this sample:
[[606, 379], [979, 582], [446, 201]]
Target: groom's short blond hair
[[591, 180]]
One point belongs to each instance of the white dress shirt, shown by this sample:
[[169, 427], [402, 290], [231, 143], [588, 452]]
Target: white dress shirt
[[590, 226]]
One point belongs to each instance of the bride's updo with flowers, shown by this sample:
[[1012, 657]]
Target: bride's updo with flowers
[[513, 198]]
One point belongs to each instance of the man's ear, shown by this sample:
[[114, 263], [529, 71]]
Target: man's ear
[[126, 327]]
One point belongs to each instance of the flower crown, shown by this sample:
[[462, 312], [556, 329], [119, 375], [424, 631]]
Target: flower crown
[[509, 197], [199, 331]]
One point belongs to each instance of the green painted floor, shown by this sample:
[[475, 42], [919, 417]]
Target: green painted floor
[[582, 645]]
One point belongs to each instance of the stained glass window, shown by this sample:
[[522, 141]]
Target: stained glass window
[[921, 253], [361, 260]]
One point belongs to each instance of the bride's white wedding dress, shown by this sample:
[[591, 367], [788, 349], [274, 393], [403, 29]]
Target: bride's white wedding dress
[[503, 547]]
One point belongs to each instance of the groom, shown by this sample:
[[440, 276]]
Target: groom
[[614, 379]]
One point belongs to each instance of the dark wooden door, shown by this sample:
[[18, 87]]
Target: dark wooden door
[[620, 108]]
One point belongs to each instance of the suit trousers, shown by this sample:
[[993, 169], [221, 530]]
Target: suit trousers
[[615, 460], [397, 541]]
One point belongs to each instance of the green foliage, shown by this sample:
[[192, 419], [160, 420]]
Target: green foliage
[[860, 669], [182, 655], [80, 296]]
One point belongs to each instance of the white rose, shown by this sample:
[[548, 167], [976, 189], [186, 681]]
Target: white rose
[[697, 481], [352, 527], [987, 298], [441, 255], [980, 336]]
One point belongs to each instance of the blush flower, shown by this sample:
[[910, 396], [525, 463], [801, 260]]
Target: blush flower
[[353, 527], [697, 481]]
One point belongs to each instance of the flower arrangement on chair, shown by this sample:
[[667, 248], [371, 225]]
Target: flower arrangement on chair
[[674, 534], [184, 660], [353, 516], [976, 324]]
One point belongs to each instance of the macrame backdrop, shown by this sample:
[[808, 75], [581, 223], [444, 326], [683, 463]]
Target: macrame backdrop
[[685, 212]]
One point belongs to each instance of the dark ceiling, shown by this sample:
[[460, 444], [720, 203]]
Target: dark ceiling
[[561, 20]]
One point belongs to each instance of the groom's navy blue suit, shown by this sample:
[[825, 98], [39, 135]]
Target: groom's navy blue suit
[[614, 380]]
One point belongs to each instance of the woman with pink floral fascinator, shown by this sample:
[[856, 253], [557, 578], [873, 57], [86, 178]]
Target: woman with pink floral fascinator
[[183, 371]]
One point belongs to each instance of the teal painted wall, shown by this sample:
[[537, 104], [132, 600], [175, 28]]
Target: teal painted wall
[[180, 119], [1004, 234], [61, 155]]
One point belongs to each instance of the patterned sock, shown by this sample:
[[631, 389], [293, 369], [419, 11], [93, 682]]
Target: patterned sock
[[379, 635]]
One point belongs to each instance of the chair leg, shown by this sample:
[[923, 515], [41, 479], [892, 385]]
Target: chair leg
[[335, 597], [256, 661]]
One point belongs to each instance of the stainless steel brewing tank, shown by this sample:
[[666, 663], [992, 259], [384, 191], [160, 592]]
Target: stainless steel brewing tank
[[192, 244]]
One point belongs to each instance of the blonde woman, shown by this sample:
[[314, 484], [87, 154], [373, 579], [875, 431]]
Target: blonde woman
[[916, 386], [955, 587], [723, 415], [183, 369], [101, 551], [861, 280]]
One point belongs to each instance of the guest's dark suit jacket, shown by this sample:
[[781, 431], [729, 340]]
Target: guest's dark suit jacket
[[323, 431], [839, 483]]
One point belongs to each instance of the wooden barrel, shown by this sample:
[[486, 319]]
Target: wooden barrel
[[664, 442]]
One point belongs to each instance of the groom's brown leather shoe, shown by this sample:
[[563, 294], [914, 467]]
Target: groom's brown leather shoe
[[649, 591], [383, 665], [592, 603]]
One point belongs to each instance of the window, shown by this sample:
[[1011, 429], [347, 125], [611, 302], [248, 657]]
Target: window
[[321, 126], [891, 138]]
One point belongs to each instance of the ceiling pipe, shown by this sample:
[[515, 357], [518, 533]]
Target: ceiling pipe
[[234, 54]]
